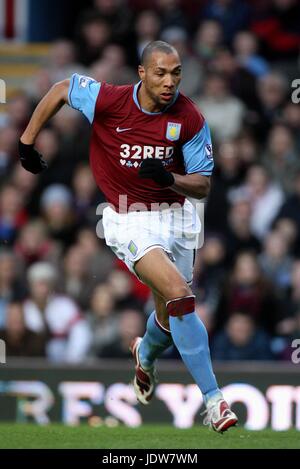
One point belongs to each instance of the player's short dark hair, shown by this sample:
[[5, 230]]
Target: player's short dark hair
[[154, 46]]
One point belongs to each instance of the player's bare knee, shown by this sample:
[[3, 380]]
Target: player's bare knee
[[178, 290]]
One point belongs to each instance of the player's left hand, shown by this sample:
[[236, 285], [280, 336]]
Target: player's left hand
[[154, 169]]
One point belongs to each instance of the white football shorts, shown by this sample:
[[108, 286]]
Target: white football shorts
[[175, 230]]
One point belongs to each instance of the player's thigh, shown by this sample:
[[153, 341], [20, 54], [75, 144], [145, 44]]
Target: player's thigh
[[157, 271], [184, 261], [161, 311]]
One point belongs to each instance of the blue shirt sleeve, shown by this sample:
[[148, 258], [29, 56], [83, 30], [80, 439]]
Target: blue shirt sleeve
[[82, 95], [197, 153]]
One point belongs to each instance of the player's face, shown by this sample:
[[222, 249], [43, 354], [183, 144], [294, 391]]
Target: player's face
[[161, 77]]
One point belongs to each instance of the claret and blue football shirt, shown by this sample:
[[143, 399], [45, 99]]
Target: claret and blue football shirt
[[124, 134]]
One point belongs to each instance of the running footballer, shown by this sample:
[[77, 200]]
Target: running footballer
[[150, 149]]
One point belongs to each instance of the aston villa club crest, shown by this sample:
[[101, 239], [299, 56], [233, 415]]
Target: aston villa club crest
[[173, 131]]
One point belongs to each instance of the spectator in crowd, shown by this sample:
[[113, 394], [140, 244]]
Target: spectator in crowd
[[34, 244], [223, 111], [119, 18], [239, 236], [245, 48], [62, 60], [13, 214], [171, 14], [59, 167], [228, 175], [73, 138], [147, 28], [100, 259], [86, 197], [140, 291], [18, 111], [38, 85], [208, 39], [8, 139], [248, 149], [275, 262], [209, 270], [292, 302], [26, 184], [291, 117], [247, 290], [288, 328], [241, 339], [57, 211], [69, 336], [20, 341], [11, 287], [288, 230], [121, 284], [115, 56], [131, 324], [280, 158], [205, 313], [233, 15], [94, 34], [77, 280], [103, 319], [241, 82], [265, 197], [102, 70], [290, 211], [272, 91]]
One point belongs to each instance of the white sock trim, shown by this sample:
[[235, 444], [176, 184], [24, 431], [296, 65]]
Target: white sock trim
[[160, 325], [180, 298]]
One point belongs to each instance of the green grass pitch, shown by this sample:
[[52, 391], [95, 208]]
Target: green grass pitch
[[147, 436]]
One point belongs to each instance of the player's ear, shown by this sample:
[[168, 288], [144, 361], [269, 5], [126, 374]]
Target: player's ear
[[141, 71]]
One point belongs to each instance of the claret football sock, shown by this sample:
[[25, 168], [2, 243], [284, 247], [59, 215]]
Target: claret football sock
[[191, 339], [155, 341]]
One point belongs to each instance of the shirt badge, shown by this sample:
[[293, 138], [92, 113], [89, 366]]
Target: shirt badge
[[173, 131]]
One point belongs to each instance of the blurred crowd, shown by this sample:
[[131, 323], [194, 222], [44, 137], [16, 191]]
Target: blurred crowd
[[63, 294]]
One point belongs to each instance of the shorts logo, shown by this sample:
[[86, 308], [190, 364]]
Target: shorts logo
[[133, 248], [208, 151], [173, 131]]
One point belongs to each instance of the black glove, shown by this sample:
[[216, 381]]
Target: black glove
[[154, 169], [31, 159]]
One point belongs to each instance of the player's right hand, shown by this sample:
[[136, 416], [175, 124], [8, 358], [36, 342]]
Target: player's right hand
[[31, 159]]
